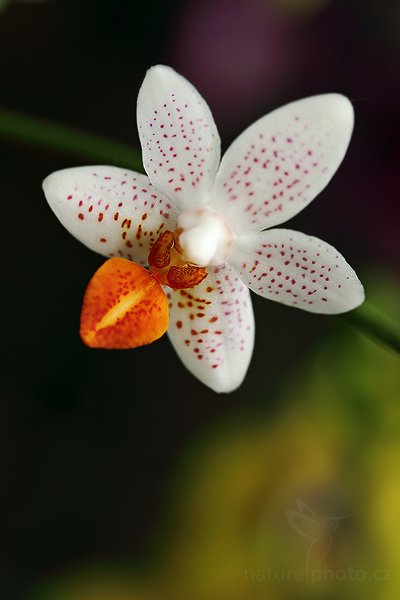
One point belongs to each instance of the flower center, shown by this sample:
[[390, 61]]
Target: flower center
[[203, 237], [167, 266], [178, 259]]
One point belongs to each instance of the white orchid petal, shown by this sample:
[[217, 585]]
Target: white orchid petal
[[113, 211], [297, 270], [180, 142], [282, 161], [212, 329]]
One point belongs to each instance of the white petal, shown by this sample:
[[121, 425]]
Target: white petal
[[112, 211], [297, 270], [212, 329], [180, 142], [281, 162]]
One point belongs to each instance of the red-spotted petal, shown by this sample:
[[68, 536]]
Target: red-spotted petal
[[212, 329], [297, 270], [112, 211], [282, 161], [123, 307], [180, 142]]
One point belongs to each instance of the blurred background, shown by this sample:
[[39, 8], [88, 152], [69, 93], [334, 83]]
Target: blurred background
[[124, 478]]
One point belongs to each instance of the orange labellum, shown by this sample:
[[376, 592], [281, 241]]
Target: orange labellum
[[123, 307]]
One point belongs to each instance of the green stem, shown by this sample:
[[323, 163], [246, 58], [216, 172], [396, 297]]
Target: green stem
[[376, 324], [40, 132]]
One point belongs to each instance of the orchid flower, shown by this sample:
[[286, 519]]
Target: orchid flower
[[206, 228]]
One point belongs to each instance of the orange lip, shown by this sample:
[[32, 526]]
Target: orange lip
[[124, 307]]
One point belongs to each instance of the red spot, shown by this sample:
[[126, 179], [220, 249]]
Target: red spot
[[179, 324], [80, 216], [100, 217]]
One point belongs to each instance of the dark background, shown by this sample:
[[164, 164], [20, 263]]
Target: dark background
[[89, 439]]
